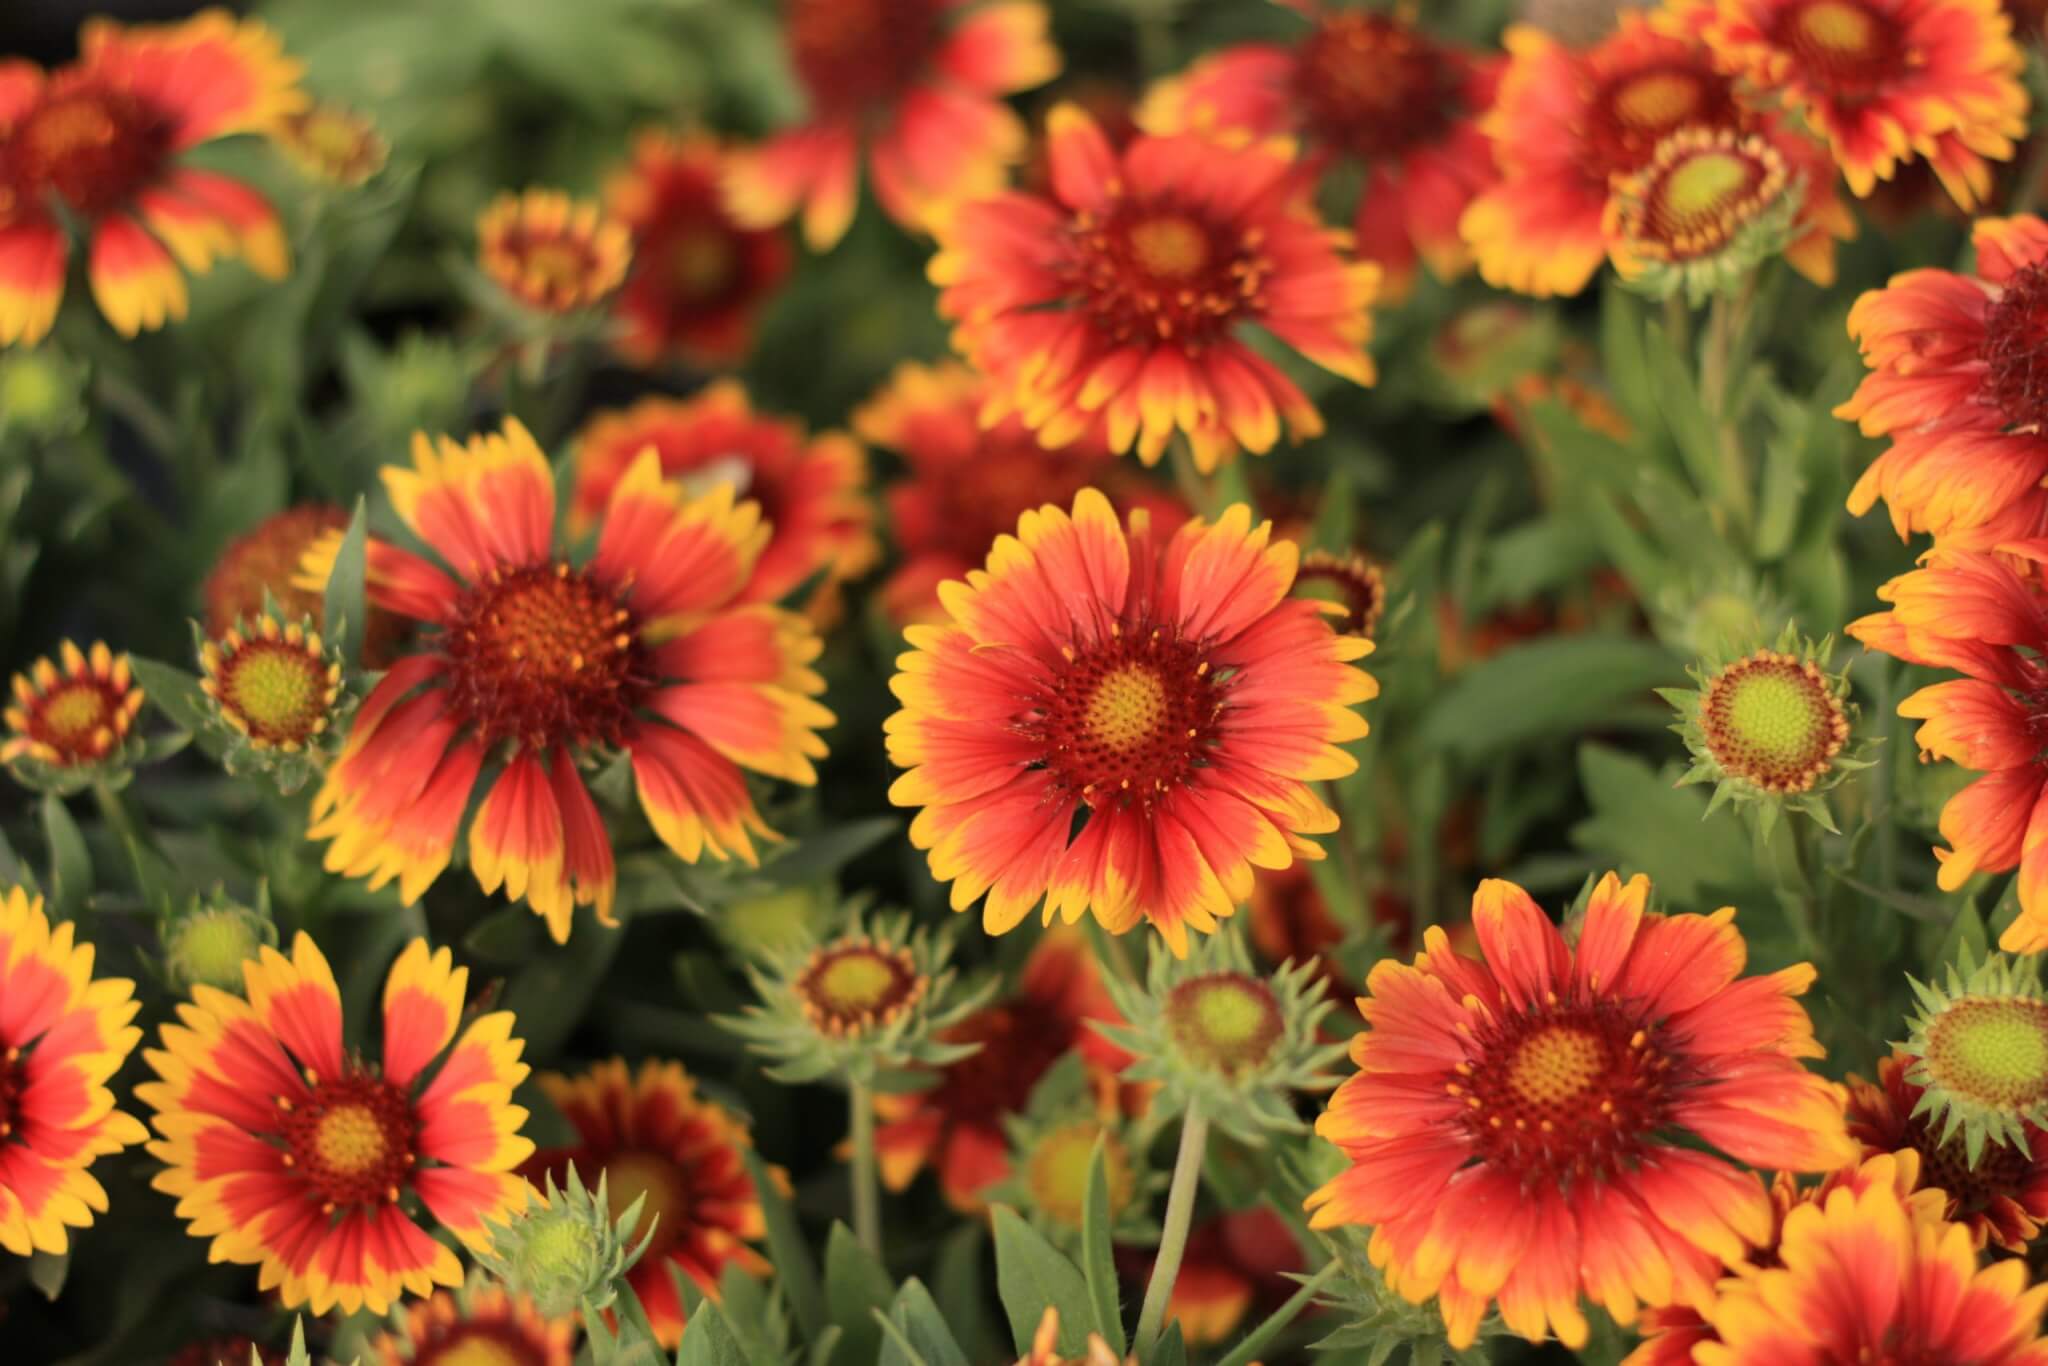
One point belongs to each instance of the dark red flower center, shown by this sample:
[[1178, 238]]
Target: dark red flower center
[[12, 1082], [857, 56], [1564, 1092], [1845, 46], [1374, 86], [2001, 1170], [1128, 719], [352, 1141], [638, 1172], [545, 655], [1156, 271], [2015, 350], [1633, 112], [93, 148]]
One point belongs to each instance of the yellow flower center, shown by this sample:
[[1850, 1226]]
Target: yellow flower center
[[631, 1175], [1169, 245], [1556, 1065], [1991, 1050], [279, 689], [333, 136], [1838, 27], [1225, 1022], [211, 945], [1704, 183], [700, 263], [557, 265], [74, 714], [1773, 720], [474, 1348], [857, 985], [1659, 99], [1059, 1166], [1127, 708], [349, 1139]]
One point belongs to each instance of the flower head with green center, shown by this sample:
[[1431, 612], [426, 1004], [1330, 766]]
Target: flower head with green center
[[276, 691], [872, 1001], [1708, 207], [1980, 1048], [69, 721], [1219, 1036], [1052, 1145], [207, 943], [40, 391], [1770, 729], [564, 1250]]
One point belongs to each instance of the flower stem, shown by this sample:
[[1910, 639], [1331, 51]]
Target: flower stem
[[1173, 1239], [1196, 489], [1261, 1337], [867, 1190]]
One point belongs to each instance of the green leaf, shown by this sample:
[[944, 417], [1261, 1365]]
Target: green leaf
[[819, 856], [298, 1355], [897, 1348], [1621, 354], [70, 864], [1170, 1350], [795, 1268], [1692, 428], [855, 1285], [510, 934], [1031, 1276], [46, 1272], [1097, 1260], [1965, 934], [347, 604], [174, 692], [1557, 686], [920, 1332], [711, 1340], [1643, 822]]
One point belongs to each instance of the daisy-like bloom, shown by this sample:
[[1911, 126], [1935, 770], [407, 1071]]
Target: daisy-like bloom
[[102, 144], [811, 489], [332, 144], [968, 484], [698, 278], [2001, 1197], [1887, 81], [263, 560], [956, 1127], [1864, 1278], [1369, 89], [297, 1156], [1233, 1263], [649, 1133], [1569, 125], [276, 685], [1119, 298], [1957, 382], [527, 658], [483, 1325], [1511, 1125], [1976, 614], [917, 87], [70, 717], [63, 1036], [1167, 691], [552, 253]]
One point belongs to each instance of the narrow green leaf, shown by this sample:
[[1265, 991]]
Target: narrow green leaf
[[820, 855], [1557, 686], [897, 1348], [1097, 1260], [346, 604], [70, 864], [1621, 354], [855, 1284], [923, 1328], [1692, 428], [46, 1272], [794, 1265], [711, 1340], [172, 691], [1031, 1276]]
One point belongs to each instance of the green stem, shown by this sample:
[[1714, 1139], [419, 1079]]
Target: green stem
[[1262, 1336], [1717, 359], [867, 1188], [1173, 1239], [1347, 847], [1196, 489]]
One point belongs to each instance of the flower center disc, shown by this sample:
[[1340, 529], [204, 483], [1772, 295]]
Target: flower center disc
[[2016, 350], [544, 655], [1153, 272], [631, 1175], [353, 1140], [848, 988], [1059, 1171], [1563, 1092], [76, 719], [93, 148], [1130, 719], [211, 946], [1772, 720], [701, 263], [1993, 1051], [1225, 1021], [2001, 1169], [856, 56], [1373, 86], [1841, 44], [278, 690], [1702, 189], [476, 1344], [1635, 112]]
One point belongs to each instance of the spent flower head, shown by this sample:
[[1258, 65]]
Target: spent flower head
[[564, 1250], [70, 719], [1218, 1035], [276, 692], [1979, 1045], [206, 943], [869, 1003]]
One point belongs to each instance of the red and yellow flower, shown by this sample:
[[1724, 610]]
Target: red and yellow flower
[[968, 484], [552, 253], [263, 560], [63, 1036], [2002, 1197], [332, 144], [649, 1133], [1958, 384], [812, 490], [295, 1155], [1121, 297], [957, 1125], [1510, 1127], [915, 86], [698, 278], [1370, 89], [1887, 81], [484, 1325], [102, 143], [74, 717], [535, 665], [1167, 691], [1571, 126]]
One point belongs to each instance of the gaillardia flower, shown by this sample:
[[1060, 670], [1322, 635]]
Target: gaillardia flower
[[102, 144], [918, 86], [475, 1325], [276, 690], [1958, 382], [1861, 1273], [812, 490], [1978, 1052], [1511, 1127], [1885, 81], [1366, 88], [332, 144], [297, 1156], [528, 660], [1975, 613], [551, 253], [698, 278], [1120, 298], [68, 719], [649, 1137], [1167, 692], [63, 1036], [2001, 1195], [209, 940]]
